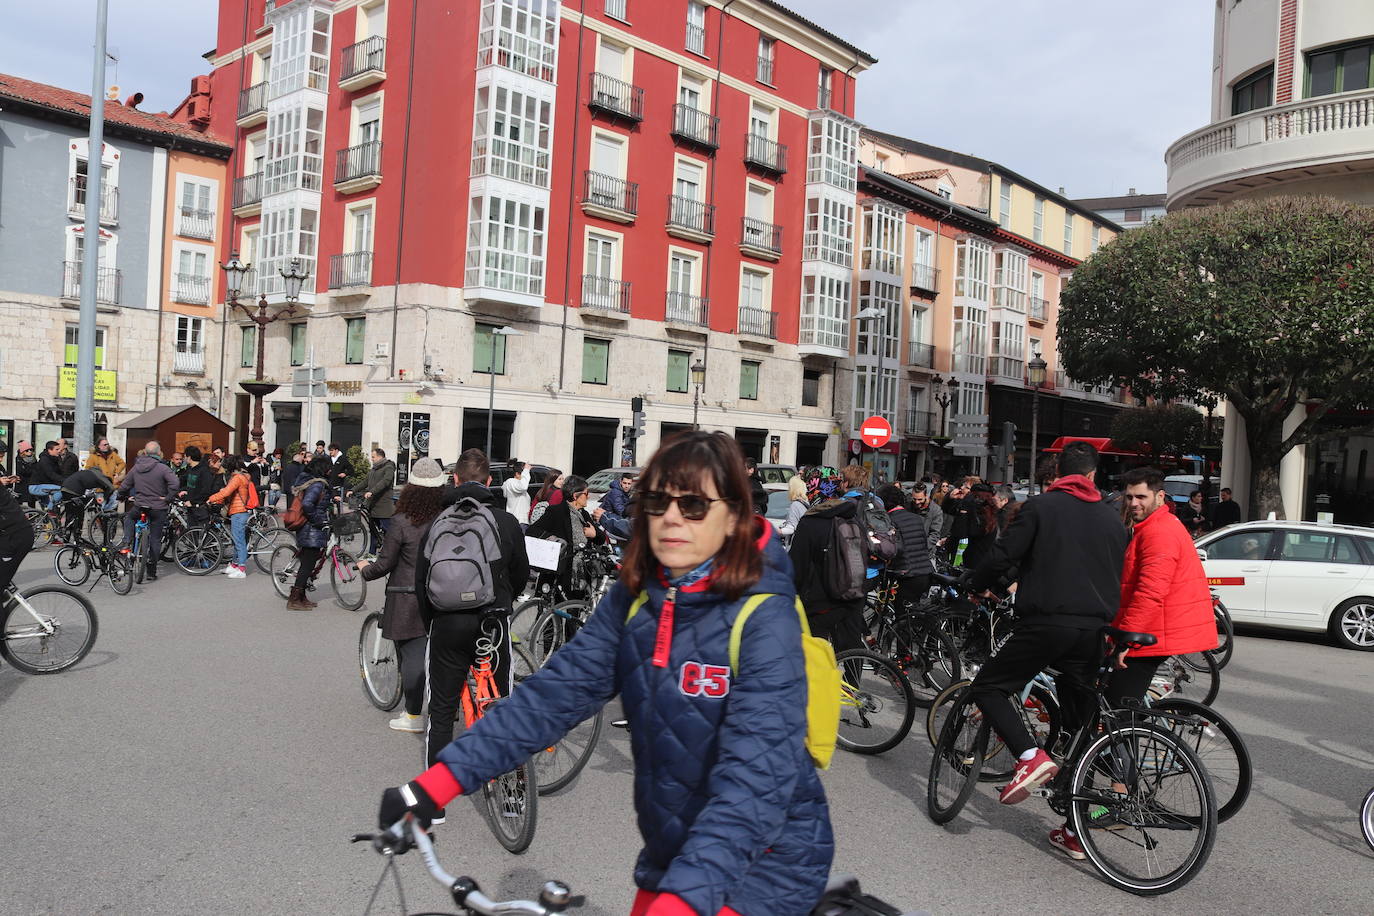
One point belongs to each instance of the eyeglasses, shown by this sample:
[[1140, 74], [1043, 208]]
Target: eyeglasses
[[693, 506]]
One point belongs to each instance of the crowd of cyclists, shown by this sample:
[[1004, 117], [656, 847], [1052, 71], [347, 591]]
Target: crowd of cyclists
[[718, 784]]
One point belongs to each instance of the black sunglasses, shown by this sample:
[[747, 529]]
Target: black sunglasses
[[693, 506]]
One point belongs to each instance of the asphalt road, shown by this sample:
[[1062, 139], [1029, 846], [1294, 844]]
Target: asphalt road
[[214, 752]]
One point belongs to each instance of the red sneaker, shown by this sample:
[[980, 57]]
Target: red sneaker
[[1029, 774], [1067, 843]]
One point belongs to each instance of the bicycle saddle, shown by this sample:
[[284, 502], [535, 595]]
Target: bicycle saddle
[[1126, 638]]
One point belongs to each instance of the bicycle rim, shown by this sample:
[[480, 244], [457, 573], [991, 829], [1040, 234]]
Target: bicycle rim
[[876, 705], [65, 634], [1194, 676], [261, 544], [1040, 714], [284, 566], [512, 808], [930, 664], [957, 761], [118, 572], [72, 565], [350, 588], [197, 551], [1218, 745], [1157, 835], [1367, 818], [939, 710], [379, 664]]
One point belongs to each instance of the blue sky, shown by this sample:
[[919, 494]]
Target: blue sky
[[1081, 93]]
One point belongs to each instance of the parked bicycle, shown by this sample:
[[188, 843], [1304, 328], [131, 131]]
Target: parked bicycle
[[80, 556], [346, 581], [46, 628]]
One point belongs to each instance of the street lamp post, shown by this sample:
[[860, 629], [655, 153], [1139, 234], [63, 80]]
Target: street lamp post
[[294, 274], [504, 331], [940, 392], [1036, 371], [869, 314], [698, 382]]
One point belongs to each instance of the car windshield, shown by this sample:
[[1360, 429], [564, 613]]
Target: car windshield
[[601, 481], [1179, 489], [775, 474], [778, 504]]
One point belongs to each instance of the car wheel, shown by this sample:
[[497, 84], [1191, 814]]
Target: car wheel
[[1352, 624]]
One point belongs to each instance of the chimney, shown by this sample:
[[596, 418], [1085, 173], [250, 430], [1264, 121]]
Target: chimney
[[1131, 193], [134, 100], [1061, 190]]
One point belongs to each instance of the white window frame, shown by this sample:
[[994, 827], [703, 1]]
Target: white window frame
[[697, 83], [513, 142], [1038, 220], [765, 114], [352, 213], [686, 164], [190, 248], [355, 122], [768, 50], [622, 157], [1004, 203], [828, 230], [832, 152], [677, 253], [110, 240], [1068, 231], [494, 216], [190, 330], [825, 308], [363, 28], [923, 247], [101, 352], [755, 288], [627, 61], [519, 36], [616, 240], [696, 18], [1096, 237]]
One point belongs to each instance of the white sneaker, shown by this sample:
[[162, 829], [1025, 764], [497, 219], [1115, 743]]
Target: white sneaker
[[405, 722], [236, 572], [228, 568]]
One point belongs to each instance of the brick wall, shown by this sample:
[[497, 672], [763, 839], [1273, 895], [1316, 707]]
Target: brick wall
[[1283, 67]]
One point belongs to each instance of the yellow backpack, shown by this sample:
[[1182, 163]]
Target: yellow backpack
[[823, 683]]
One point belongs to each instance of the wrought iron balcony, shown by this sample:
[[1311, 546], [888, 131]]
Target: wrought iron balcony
[[188, 361], [605, 294], [107, 283], [363, 63], [765, 153], [76, 199], [247, 190], [253, 103], [696, 39], [764, 74], [615, 97], [924, 277], [696, 126], [689, 215], [607, 192], [921, 355], [760, 236], [758, 322], [684, 308], [192, 289], [351, 269], [1039, 308], [360, 164], [196, 224], [920, 423]]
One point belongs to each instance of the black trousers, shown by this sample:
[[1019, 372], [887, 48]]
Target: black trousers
[[1133, 680], [452, 650], [9, 565], [1032, 648], [911, 590], [412, 657], [157, 520], [843, 625], [308, 557]]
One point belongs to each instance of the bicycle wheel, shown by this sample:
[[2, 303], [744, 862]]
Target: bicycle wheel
[[72, 565], [137, 561], [104, 529], [44, 528], [1218, 745], [957, 761], [198, 551], [1367, 818], [939, 709], [262, 541], [118, 572], [1226, 634], [555, 767], [526, 614], [876, 705], [1041, 715], [1193, 676], [350, 588], [1156, 835], [380, 664], [555, 627], [60, 636], [283, 568], [928, 658], [512, 808], [355, 542]]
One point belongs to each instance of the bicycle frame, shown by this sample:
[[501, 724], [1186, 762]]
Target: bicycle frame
[[43, 628], [483, 691]]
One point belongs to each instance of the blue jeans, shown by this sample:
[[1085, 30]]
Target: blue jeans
[[52, 491], [238, 527]]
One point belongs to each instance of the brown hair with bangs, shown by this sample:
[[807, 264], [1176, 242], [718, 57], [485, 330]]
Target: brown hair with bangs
[[683, 463]]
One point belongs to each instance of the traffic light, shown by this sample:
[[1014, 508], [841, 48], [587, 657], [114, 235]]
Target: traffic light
[[1008, 438]]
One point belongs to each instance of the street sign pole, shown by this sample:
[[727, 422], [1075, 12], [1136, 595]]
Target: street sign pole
[[90, 245], [309, 400]]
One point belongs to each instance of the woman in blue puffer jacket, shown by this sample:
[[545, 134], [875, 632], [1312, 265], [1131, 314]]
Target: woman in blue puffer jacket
[[731, 811], [312, 537]]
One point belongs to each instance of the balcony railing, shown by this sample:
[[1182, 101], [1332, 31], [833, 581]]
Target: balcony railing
[[361, 161], [920, 423], [186, 361], [758, 322], [921, 355], [616, 97], [761, 235], [1038, 308], [192, 289], [926, 277], [367, 55], [693, 215], [76, 199], [616, 9], [196, 224], [684, 308], [765, 70], [248, 190], [610, 192], [351, 269], [253, 100], [107, 283], [696, 39], [765, 153], [695, 126], [605, 294]]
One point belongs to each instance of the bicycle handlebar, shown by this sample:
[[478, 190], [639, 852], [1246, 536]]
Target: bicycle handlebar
[[555, 897]]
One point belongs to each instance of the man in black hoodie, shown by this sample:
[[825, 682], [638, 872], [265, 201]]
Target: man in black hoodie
[[1069, 548], [842, 622], [453, 635]]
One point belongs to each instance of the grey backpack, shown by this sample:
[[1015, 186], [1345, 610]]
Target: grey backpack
[[464, 547]]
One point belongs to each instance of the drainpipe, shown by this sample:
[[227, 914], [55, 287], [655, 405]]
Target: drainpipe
[[401, 221], [711, 185], [162, 282], [572, 192]]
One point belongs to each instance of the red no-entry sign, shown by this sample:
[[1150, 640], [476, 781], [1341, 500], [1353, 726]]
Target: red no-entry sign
[[875, 432]]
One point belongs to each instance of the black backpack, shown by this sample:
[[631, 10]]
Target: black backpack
[[843, 572], [884, 542]]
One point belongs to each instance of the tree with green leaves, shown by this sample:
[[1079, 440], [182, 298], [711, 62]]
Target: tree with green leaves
[[1160, 429], [1267, 304]]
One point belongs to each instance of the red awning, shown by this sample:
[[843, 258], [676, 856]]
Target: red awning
[[1103, 446]]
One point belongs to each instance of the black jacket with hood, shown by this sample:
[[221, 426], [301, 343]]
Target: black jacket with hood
[[512, 570], [809, 543]]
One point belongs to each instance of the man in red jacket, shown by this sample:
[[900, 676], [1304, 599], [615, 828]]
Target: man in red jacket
[[1163, 588]]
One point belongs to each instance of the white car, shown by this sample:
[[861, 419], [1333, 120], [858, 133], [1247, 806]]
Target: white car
[[1296, 575]]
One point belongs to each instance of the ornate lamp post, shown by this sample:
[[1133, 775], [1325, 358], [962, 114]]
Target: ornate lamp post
[[1036, 371], [295, 274], [698, 371], [940, 392]]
